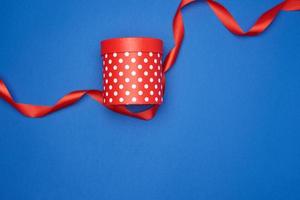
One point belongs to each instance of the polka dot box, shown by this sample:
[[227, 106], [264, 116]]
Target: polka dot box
[[132, 71]]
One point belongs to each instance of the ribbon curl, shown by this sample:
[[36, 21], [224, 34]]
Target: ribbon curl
[[262, 23]]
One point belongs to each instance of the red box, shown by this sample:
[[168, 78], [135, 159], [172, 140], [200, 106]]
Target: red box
[[132, 71]]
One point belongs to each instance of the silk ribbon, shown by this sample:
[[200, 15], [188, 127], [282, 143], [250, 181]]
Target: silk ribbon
[[262, 23]]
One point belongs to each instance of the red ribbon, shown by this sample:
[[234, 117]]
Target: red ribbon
[[220, 11]]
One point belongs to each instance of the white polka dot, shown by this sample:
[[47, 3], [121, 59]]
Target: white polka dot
[[106, 81], [156, 99], [103, 62], [106, 93], [160, 62], [140, 79], [145, 60], [110, 87], [140, 66], [145, 73], [115, 67], [110, 100], [151, 67], [133, 99], [121, 73], [158, 67], [127, 93], [150, 54], [109, 61], [146, 86], [159, 80], [115, 93], [146, 99], [159, 93], [104, 87], [105, 55], [155, 60], [110, 74], [133, 60], [115, 54], [126, 54], [133, 73], [104, 100], [140, 92], [121, 99], [161, 87], [139, 53], [115, 80], [127, 67], [121, 86], [151, 93], [106, 68], [151, 80], [120, 60], [158, 55], [162, 99], [155, 86], [155, 73], [133, 86], [127, 80], [103, 75]]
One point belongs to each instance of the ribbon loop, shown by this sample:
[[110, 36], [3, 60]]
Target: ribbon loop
[[262, 23]]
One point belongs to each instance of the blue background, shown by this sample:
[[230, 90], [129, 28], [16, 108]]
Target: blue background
[[229, 128]]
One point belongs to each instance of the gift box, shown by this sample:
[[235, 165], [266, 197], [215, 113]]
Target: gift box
[[132, 71]]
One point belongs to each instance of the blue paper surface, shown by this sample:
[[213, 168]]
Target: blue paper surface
[[229, 127]]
